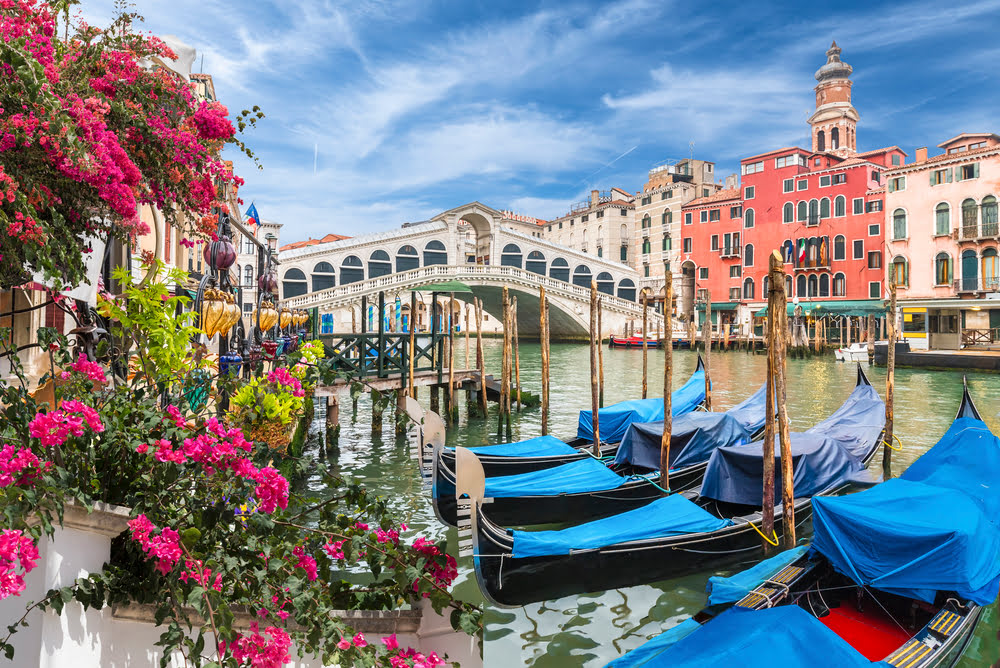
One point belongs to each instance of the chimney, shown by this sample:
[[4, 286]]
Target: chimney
[[731, 182], [595, 197], [921, 154]]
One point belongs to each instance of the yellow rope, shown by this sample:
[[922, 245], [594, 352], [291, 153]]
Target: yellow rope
[[773, 532], [891, 446]]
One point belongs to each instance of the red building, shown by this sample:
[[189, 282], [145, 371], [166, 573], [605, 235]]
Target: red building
[[821, 207], [711, 251]]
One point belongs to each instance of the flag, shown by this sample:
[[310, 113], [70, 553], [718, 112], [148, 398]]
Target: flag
[[802, 251], [252, 216]]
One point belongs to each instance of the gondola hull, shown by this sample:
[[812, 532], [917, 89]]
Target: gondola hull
[[494, 466], [632, 342]]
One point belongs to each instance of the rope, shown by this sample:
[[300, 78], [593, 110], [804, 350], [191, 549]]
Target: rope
[[890, 445], [773, 532], [644, 478]]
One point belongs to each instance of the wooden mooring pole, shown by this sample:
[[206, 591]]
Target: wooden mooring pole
[[871, 339], [480, 358], [504, 418], [645, 357], [543, 333], [517, 354], [466, 309], [784, 431], [332, 422], [412, 325], [452, 405], [600, 349], [890, 381], [594, 403], [668, 352], [707, 336], [771, 334]]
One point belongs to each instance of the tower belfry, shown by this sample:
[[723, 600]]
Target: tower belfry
[[834, 123]]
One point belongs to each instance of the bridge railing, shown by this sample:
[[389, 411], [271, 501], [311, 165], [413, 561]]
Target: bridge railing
[[374, 355]]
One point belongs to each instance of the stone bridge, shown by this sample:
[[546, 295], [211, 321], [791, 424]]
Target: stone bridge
[[478, 246]]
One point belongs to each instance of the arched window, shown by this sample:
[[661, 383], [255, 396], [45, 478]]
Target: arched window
[[970, 214], [970, 270], [667, 217], [239, 271], [824, 207], [989, 264], [379, 264], [606, 283], [582, 276], [899, 224], [824, 285], [813, 211], [839, 285], [748, 218], [942, 269], [813, 286], [293, 283], [646, 246], [989, 207], [840, 206], [800, 285], [803, 211], [646, 222], [324, 276], [942, 219], [666, 241], [835, 138], [763, 287], [511, 256], [559, 270], [900, 271], [748, 255], [407, 258], [748, 288], [248, 275], [788, 286], [626, 289], [788, 253], [352, 270], [435, 253], [535, 263], [788, 213], [839, 247], [820, 141]]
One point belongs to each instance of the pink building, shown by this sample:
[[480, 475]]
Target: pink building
[[942, 238]]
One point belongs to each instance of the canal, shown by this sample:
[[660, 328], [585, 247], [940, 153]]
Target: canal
[[591, 629]]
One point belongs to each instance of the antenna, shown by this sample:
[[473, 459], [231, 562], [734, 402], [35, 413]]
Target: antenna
[[691, 147], [203, 62]]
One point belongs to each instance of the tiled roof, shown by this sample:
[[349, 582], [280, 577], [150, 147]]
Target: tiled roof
[[879, 151], [967, 135], [312, 242], [722, 195], [876, 191], [946, 156], [777, 150]]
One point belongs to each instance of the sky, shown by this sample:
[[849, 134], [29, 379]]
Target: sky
[[380, 112]]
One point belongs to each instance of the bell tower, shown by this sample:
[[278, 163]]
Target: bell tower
[[834, 122]]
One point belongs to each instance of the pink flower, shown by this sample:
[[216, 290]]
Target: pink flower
[[344, 644], [165, 548], [261, 652], [91, 370], [359, 640], [19, 466], [18, 556], [390, 642], [335, 549], [55, 427], [305, 562], [271, 490]]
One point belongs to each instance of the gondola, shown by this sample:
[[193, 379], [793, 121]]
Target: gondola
[[632, 342], [897, 574], [590, 488], [548, 451], [675, 534]]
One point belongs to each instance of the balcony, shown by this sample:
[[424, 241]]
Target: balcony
[[974, 232], [812, 264], [813, 220], [731, 251], [976, 284]]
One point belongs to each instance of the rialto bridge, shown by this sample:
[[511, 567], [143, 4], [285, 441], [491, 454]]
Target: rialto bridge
[[473, 244]]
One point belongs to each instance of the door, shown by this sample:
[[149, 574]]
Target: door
[[969, 270]]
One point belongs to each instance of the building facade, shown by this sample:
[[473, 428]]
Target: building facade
[[942, 237], [711, 254], [599, 226]]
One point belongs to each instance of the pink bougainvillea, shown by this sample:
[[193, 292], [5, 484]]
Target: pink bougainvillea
[[259, 651], [165, 547], [89, 370], [443, 575], [282, 376], [305, 562], [19, 466], [55, 427], [18, 556]]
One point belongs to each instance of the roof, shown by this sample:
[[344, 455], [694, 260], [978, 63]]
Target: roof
[[945, 156], [880, 151], [777, 150], [968, 135], [720, 196], [312, 242]]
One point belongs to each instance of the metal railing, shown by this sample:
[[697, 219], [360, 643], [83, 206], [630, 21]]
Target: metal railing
[[988, 229], [732, 251], [381, 355], [977, 284]]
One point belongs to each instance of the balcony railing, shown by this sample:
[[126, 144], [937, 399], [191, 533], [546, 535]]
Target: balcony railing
[[988, 229], [813, 220], [976, 284], [732, 251]]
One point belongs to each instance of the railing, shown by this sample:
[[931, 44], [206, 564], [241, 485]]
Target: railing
[[976, 284], [974, 231], [380, 355], [813, 220], [980, 337], [732, 251]]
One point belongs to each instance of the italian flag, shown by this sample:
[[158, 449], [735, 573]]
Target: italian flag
[[802, 250]]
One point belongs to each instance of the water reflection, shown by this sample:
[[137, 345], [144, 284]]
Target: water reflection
[[591, 629]]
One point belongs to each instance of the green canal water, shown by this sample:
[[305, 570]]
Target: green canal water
[[591, 629]]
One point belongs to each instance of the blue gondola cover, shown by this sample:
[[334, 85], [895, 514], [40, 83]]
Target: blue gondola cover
[[614, 420], [734, 587], [585, 475], [669, 516], [932, 529], [693, 436], [541, 446]]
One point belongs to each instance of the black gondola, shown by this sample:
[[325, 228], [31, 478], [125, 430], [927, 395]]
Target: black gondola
[[882, 582], [691, 531]]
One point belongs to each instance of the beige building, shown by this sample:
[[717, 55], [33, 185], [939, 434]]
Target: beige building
[[600, 226]]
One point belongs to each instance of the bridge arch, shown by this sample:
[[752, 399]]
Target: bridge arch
[[605, 283], [535, 263], [582, 276], [511, 256], [352, 270], [379, 264], [407, 258], [324, 276], [626, 289], [293, 283], [435, 253], [559, 270]]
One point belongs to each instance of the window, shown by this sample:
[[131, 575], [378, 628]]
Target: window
[[560, 225], [623, 212], [687, 245], [942, 219], [248, 275], [802, 184], [874, 206], [687, 218], [788, 213], [942, 269], [748, 255], [646, 222], [897, 159], [824, 181], [840, 206], [646, 246], [735, 211], [820, 142], [623, 253], [645, 270], [824, 285], [874, 259], [646, 200], [735, 271], [702, 272], [859, 249], [714, 215], [704, 216], [666, 242], [978, 144], [876, 176], [600, 214], [752, 168], [665, 195], [748, 218], [875, 290], [789, 160], [705, 192], [859, 205], [803, 211], [585, 218], [874, 230], [989, 207], [899, 272], [818, 161], [748, 192], [839, 247], [899, 224], [839, 285], [824, 207], [748, 288], [667, 217], [572, 221], [940, 176], [897, 183], [813, 212], [813, 286], [967, 172], [324, 276], [734, 294], [970, 215], [511, 256], [715, 242], [839, 178]]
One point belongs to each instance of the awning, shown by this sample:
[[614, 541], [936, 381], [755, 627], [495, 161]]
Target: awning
[[855, 307], [720, 306], [444, 286]]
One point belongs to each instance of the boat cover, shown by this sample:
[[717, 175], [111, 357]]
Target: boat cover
[[584, 475], [731, 589], [648, 651], [932, 529], [615, 419], [670, 516], [541, 446], [785, 636], [829, 454], [693, 436]]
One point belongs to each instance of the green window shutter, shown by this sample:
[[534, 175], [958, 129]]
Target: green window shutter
[[949, 175], [891, 188], [933, 176], [975, 170]]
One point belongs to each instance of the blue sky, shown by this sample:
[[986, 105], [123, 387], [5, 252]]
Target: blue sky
[[381, 112]]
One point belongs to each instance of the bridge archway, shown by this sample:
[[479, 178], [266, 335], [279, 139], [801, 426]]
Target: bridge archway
[[535, 263]]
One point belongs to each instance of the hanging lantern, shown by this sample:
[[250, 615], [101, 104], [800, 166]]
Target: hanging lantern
[[272, 316], [229, 364], [285, 318], [270, 348], [212, 309], [232, 313], [268, 282], [220, 254]]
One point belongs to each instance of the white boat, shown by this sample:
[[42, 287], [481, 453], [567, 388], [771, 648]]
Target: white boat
[[857, 352]]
